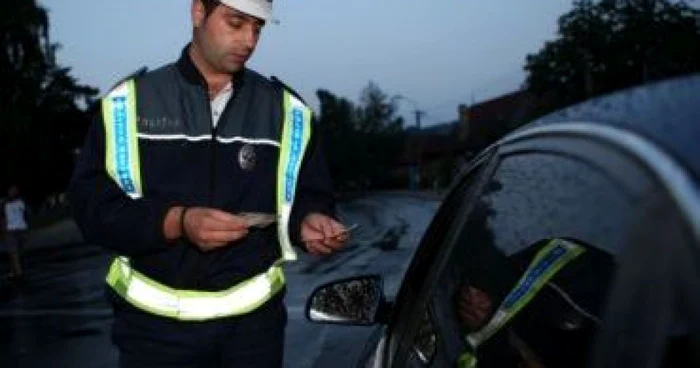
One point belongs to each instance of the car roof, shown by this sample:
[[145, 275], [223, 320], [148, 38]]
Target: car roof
[[667, 113]]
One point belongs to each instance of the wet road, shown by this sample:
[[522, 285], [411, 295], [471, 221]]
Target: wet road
[[58, 317]]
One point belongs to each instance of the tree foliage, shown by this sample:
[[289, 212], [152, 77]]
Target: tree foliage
[[603, 46], [362, 143], [41, 122]]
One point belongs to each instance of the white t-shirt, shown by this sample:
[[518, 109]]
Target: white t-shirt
[[14, 215], [218, 103]]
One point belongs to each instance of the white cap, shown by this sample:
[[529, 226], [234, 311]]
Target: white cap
[[258, 8]]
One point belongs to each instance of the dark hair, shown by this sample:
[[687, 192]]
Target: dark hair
[[209, 6]]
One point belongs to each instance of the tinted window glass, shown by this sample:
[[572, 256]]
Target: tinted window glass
[[423, 342], [508, 255], [536, 196]]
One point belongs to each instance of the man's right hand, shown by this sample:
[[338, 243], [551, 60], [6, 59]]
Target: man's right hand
[[207, 228], [474, 307]]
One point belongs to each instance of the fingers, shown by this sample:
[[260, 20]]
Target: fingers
[[474, 306], [224, 236], [211, 240], [331, 240], [324, 228], [337, 228], [318, 248], [214, 220], [322, 234], [229, 221], [211, 229], [213, 224], [334, 234]]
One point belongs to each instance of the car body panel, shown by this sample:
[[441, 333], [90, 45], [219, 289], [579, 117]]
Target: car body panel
[[589, 173]]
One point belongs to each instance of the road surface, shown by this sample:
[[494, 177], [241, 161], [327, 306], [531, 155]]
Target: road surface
[[59, 318]]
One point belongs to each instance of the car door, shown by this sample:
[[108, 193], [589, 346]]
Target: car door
[[407, 312], [569, 183]]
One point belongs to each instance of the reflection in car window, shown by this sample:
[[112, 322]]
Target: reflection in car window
[[424, 343], [532, 200], [425, 340], [541, 310], [547, 196]]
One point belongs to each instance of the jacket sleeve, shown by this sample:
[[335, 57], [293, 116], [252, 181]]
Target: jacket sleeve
[[314, 189], [104, 213]]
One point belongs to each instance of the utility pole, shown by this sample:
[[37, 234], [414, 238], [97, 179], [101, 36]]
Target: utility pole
[[419, 115], [414, 176], [419, 145]]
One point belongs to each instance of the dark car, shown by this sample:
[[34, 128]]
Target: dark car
[[572, 242]]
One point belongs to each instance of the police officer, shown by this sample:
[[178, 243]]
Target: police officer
[[201, 176]]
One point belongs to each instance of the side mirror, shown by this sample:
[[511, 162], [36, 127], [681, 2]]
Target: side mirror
[[353, 301]]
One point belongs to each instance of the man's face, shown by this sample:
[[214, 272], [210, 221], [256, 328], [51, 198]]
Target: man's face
[[226, 38]]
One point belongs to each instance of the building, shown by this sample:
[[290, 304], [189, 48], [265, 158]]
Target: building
[[483, 123], [432, 155]]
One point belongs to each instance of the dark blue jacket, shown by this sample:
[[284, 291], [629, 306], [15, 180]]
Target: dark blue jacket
[[186, 162]]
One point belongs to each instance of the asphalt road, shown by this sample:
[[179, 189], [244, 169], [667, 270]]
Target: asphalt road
[[58, 316]]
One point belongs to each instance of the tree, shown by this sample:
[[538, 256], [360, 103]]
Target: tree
[[361, 143], [338, 124], [377, 112], [603, 46], [382, 135], [41, 123]]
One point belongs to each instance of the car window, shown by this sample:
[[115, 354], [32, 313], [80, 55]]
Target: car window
[[424, 340], [535, 205], [539, 196]]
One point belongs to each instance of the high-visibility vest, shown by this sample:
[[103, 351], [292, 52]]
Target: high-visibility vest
[[547, 263], [122, 164]]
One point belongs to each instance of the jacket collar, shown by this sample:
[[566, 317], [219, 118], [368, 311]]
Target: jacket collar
[[190, 72]]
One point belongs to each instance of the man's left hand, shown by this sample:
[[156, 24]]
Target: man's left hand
[[322, 234]]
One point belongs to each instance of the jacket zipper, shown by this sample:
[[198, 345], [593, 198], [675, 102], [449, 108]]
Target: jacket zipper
[[212, 175], [213, 142], [213, 158]]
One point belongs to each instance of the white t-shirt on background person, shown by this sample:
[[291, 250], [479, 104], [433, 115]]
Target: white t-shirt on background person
[[14, 215]]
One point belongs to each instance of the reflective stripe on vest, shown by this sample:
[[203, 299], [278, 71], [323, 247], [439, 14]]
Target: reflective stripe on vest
[[153, 297], [122, 163], [295, 137], [121, 138], [547, 263]]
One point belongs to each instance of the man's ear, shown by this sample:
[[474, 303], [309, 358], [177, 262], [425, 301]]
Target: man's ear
[[199, 13]]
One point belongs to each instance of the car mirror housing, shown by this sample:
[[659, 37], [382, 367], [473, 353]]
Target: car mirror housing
[[353, 301]]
